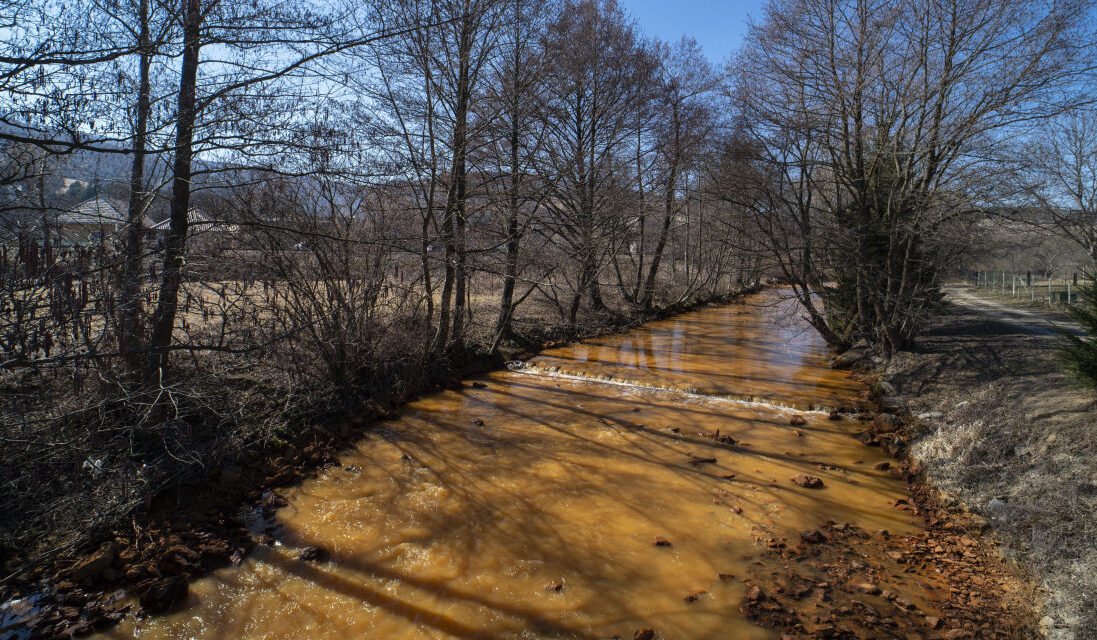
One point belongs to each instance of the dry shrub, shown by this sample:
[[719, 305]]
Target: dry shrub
[[1034, 478]]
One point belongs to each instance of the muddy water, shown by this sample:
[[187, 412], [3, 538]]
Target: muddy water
[[529, 508], [761, 352]]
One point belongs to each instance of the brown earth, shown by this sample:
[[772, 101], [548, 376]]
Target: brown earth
[[946, 582]]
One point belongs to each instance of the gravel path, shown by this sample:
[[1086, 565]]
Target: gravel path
[[1025, 320]]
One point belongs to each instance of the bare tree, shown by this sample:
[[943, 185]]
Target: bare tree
[[882, 125], [508, 155], [599, 73], [685, 121], [1065, 160]]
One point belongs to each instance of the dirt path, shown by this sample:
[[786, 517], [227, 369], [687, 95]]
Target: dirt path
[[1009, 434], [1025, 320]]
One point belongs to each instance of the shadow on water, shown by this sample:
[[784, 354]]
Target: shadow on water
[[530, 508]]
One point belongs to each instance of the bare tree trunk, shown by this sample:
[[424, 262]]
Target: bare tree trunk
[[460, 155], [441, 338], [175, 245], [642, 219], [129, 308], [428, 286], [510, 267], [669, 210]]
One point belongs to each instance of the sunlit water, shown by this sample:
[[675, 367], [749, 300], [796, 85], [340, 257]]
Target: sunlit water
[[529, 509]]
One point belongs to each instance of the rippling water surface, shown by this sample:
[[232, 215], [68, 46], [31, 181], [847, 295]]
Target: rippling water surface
[[530, 508]]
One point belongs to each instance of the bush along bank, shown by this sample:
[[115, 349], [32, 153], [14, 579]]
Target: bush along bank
[[206, 522]]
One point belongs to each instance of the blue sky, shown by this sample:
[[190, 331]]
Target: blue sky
[[718, 25]]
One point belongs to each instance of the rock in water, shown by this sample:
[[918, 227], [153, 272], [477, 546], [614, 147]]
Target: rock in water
[[887, 423], [164, 595], [866, 438], [813, 536], [808, 482], [893, 445], [866, 587]]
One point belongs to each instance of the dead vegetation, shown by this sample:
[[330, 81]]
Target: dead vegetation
[[1007, 433]]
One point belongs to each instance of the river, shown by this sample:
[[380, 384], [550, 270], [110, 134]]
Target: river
[[606, 487]]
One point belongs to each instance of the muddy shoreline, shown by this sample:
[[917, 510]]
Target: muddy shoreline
[[841, 581]]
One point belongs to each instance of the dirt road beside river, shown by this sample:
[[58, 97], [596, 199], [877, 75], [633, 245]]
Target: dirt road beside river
[[1009, 434]]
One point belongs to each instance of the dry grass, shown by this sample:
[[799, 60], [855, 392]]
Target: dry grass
[[82, 458], [1012, 437]]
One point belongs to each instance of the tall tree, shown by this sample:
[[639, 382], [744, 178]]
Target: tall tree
[[514, 92], [881, 126], [1065, 163], [685, 118], [599, 75]]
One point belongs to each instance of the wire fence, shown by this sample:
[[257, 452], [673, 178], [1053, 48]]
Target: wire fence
[[1036, 288]]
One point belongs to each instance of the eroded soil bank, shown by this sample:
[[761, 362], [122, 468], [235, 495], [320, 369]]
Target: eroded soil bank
[[667, 483]]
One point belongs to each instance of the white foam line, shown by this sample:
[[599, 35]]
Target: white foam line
[[534, 370]]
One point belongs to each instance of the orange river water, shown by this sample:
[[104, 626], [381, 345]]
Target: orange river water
[[529, 508]]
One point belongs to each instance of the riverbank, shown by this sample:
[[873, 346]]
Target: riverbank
[[1000, 428], [201, 524]]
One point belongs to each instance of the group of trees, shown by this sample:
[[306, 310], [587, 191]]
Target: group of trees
[[349, 197], [874, 133], [500, 126], [397, 182]]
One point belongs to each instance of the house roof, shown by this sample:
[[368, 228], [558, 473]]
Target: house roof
[[198, 220], [98, 210]]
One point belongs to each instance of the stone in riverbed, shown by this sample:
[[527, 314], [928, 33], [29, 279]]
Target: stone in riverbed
[[813, 536], [314, 554], [164, 595], [893, 445], [866, 438], [887, 423], [808, 482], [866, 587], [95, 563], [798, 421]]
